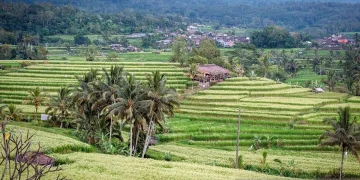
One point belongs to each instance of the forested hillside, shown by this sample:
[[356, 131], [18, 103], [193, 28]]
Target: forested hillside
[[323, 16], [47, 19]]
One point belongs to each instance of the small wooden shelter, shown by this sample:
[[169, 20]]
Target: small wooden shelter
[[211, 73], [36, 158]]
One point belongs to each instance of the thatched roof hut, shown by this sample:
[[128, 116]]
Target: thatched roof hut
[[212, 72]]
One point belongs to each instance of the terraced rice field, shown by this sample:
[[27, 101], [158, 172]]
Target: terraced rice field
[[204, 128], [14, 84], [203, 132], [80, 162]]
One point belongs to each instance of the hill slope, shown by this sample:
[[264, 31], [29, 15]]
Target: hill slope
[[287, 121], [296, 15]]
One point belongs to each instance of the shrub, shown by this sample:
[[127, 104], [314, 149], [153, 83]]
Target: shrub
[[25, 64], [240, 162], [168, 156], [90, 58], [213, 83]]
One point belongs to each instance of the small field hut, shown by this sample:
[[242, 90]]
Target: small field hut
[[211, 73]]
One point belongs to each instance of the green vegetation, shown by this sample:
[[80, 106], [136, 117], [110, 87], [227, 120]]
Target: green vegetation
[[204, 124]]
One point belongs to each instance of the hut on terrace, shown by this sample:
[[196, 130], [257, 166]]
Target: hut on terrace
[[211, 73]]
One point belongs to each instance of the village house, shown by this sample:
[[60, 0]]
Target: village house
[[163, 44], [120, 48], [194, 36], [334, 42]]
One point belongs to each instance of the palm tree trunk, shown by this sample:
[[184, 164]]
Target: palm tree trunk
[[37, 120], [137, 140], [110, 135], [147, 138], [342, 162], [131, 134]]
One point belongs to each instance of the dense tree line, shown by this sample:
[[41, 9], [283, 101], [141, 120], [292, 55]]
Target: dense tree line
[[317, 17], [19, 19], [274, 37]]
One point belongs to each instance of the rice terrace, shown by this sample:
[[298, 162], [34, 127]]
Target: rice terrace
[[132, 90]]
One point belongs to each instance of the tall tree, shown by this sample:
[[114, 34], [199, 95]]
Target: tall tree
[[86, 117], [246, 54], [330, 80], [345, 133], [265, 64], [179, 50], [208, 50], [37, 98], [163, 101], [114, 76], [128, 107], [60, 105]]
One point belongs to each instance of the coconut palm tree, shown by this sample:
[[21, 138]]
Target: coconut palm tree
[[90, 76], [60, 106], [37, 98], [86, 116], [129, 107], [13, 113], [331, 80], [163, 101], [292, 67], [103, 96], [114, 76], [345, 133], [265, 64]]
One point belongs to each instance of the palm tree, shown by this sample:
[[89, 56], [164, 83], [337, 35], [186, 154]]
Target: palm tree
[[85, 116], [163, 100], [265, 64], [37, 98], [90, 76], [60, 105], [114, 76], [128, 106], [105, 95], [345, 134], [292, 67], [331, 80], [13, 113]]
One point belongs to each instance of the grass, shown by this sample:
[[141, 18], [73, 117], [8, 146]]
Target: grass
[[304, 76], [322, 161], [51, 76], [203, 132], [94, 166], [48, 141]]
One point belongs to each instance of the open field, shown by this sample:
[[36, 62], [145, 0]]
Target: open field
[[78, 161], [99, 166], [202, 135], [14, 84], [304, 76], [206, 124]]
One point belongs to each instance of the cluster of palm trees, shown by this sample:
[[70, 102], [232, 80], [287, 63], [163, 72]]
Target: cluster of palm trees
[[105, 105]]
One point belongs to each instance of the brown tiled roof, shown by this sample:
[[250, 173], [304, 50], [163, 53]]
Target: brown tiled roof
[[212, 69]]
